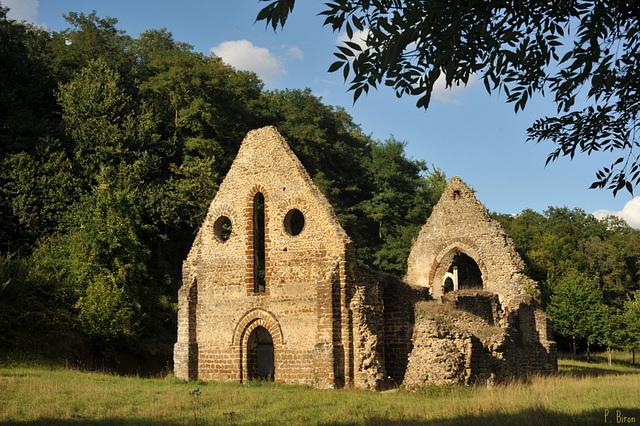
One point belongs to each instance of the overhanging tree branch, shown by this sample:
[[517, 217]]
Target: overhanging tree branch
[[520, 48]]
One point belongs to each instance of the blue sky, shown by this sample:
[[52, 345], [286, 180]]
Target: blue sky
[[465, 131]]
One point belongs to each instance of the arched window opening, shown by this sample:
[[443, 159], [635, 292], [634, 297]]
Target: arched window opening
[[260, 359], [448, 285], [259, 282], [469, 274]]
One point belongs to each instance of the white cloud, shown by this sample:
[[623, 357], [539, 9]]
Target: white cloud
[[630, 213], [21, 10], [244, 55], [359, 37], [293, 52], [440, 92], [452, 94]]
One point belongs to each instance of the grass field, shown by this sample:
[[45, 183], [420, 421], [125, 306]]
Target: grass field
[[581, 393]]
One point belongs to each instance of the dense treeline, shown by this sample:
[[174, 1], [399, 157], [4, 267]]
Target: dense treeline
[[589, 275], [111, 149]]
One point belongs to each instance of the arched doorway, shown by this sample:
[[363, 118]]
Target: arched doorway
[[260, 356], [458, 267], [449, 285], [469, 274]]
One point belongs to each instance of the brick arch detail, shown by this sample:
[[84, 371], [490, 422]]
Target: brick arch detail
[[464, 246], [254, 318], [251, 320]]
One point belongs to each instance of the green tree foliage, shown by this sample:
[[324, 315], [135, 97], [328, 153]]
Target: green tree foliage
[[562, 238], [560, 47], [27, 105], [100, 206], [576, 307], [88, 39], [631, 318], [567, 247], [99, 118], [27, 114], [40, 186], [404, 192]]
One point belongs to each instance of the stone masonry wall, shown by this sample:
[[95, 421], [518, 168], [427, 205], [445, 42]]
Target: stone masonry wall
[[482, 304], [461, 224], [331, 322], [218, 307], [454, 346], [399, 318], [459, 342]]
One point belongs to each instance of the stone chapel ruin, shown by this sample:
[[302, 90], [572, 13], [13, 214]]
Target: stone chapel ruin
[[271, 289]]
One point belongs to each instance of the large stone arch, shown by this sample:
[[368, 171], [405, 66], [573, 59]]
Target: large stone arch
[[251, 320], [443, 260]]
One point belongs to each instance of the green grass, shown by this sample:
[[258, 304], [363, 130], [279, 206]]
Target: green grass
[[580, 393]]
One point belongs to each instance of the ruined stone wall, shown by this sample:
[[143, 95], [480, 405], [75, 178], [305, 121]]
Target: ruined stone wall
[[461, 224], [482, 304], [471, 340], [366, 308], [399, 318], [331, 322], [534, 349], [302, 273], [454, 346]]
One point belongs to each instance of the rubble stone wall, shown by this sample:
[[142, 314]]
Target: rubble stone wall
[[461, 224], [323, 314], [330, 322]]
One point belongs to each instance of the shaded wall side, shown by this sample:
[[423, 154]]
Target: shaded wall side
[[399, 319]]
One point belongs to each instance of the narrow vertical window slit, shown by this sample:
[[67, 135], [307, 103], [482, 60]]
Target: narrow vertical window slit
[[259, 283]]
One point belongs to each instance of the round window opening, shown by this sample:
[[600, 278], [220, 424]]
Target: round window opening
[[294, 222], [222, 228]]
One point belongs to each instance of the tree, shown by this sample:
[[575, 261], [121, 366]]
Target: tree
[[632, 322], [576, 308], [614, 331], [27, 114], [112, 149], [404, 193], [99, 116], [521, 48], [39, 188], [90, 38]]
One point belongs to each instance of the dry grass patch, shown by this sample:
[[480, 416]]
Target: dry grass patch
[[580, 393]]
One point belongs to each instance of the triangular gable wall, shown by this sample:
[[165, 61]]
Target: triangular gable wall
[[219, 305], [461, 224]]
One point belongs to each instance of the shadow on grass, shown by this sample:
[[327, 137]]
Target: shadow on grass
[[527, 417], [592, 371], [595, 367], [616, 415]]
